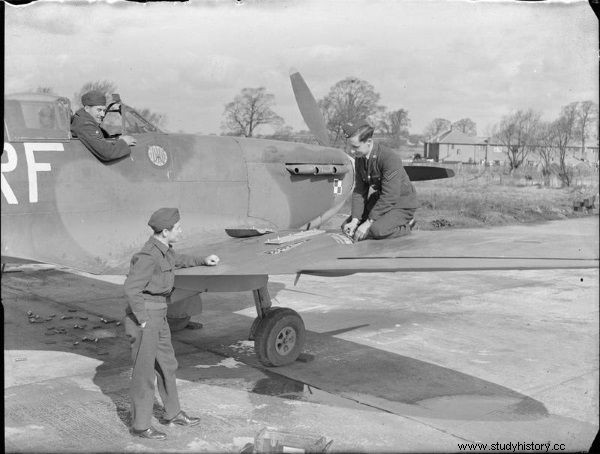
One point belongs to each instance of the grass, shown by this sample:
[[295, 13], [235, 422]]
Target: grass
[[491, 196]]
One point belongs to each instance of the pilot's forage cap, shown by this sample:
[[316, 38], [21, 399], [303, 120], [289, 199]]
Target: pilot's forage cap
[[93, 98], [163, 218], [352, 127]]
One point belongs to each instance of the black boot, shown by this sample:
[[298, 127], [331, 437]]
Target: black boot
[[182, 419], [150, 433]]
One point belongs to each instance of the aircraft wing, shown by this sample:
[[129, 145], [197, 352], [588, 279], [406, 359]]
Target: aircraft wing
[[330, 253]]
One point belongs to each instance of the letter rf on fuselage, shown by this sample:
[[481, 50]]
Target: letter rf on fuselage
[[33, 167]]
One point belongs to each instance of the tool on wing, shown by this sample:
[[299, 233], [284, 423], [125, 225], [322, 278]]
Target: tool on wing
[[294, 236]]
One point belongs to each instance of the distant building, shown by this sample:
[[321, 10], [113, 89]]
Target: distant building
[[592, 154], [456, 146], [576, 155]]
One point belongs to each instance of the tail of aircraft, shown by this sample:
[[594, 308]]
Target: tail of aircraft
[[309, 109], [316, 124]]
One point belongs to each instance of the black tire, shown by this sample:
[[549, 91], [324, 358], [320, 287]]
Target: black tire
[[254, 328], [179, 323], [279, 337]]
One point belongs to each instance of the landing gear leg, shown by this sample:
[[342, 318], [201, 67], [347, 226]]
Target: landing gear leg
[[278, 332], [262, 301]]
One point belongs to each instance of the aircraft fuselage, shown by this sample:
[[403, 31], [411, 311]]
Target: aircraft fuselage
[[61, 205]]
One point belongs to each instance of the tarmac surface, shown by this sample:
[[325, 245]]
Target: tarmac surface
[[402, 362]]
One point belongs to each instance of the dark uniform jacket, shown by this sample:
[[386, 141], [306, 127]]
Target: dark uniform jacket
[[383, 171], [151, 277], [95, 138]]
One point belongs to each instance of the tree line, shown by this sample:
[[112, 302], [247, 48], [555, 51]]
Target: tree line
[[522, 133], [349, 100]]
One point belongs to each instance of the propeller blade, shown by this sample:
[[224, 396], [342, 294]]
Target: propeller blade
[[309, 109], [423, 173]]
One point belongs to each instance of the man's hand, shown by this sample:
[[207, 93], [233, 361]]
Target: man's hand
[[130, 141], [211, 260], [363, 230], [350, 227]]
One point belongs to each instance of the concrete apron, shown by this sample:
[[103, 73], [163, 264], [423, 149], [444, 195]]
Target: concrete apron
[[402, 362]]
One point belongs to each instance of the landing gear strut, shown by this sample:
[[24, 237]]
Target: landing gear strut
[[278, 332]]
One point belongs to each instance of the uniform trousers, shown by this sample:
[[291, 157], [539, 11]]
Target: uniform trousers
[[153, 356], [392, 224]]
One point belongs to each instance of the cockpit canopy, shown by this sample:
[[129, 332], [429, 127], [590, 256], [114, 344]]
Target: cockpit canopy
[[31, 116], [122, 119], [36, 116]]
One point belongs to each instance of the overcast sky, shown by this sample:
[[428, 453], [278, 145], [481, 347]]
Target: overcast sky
[[438, 58]]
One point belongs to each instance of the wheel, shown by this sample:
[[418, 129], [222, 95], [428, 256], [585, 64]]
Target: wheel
[[179, 323], [279, 337]]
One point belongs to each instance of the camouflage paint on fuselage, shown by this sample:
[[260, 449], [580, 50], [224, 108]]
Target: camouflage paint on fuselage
[[61, 205], [294, 200]]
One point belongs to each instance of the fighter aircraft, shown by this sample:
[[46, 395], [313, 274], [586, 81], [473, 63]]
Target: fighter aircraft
[[255, 203]]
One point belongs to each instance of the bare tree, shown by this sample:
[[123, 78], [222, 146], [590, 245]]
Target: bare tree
[[105, 86], [563, 130], [248, 110], [416, 138], [393, 124], [348, 100], [544, 137], [517, 133], [436, 127], [466, 126], [587, 114]]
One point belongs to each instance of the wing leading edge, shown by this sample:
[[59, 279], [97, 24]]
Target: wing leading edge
[[329, 253]]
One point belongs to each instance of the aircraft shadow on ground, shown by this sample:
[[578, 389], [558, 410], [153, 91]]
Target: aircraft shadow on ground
[[374, 378], [346, 371]]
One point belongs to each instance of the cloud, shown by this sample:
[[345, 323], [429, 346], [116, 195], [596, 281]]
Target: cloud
[[435, 58], [326, 52], [41, 19], [207, 72]]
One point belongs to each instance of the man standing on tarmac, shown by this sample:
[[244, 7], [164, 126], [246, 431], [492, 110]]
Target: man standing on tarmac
[[85, 125], [389, 211], [148, 287]]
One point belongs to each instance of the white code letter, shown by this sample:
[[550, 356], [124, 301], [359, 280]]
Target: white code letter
[[34, 167], [9, 166]]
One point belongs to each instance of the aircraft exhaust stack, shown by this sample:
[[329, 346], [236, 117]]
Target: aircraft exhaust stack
[[312, 169]]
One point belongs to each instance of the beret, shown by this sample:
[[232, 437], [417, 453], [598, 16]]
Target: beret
[[93, 98], [352, 127], [163, 218]]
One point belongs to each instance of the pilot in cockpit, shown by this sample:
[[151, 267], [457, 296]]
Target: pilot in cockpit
[[47, 118], [85, 125]]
